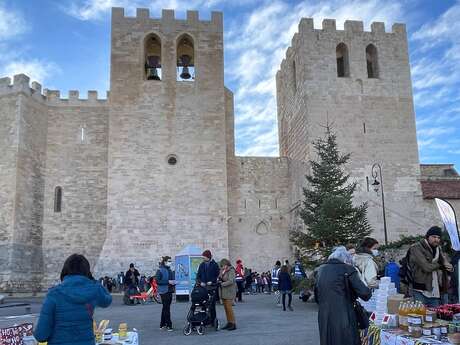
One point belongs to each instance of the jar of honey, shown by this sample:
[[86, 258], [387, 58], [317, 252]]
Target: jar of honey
[[123, 331]]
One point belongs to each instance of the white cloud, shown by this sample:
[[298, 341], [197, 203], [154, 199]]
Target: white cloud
[[37, 70], [435, 131], [97, 9], [257, 43], [11, 23]]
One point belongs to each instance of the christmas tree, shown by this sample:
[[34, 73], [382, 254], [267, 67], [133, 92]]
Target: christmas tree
[[327, 210]]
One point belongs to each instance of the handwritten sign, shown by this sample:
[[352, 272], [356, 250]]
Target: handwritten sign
[[13, 335]]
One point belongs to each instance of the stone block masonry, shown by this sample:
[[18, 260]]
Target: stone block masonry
[[152, 168]]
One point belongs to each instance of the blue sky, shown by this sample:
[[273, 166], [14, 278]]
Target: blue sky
[[64, 44]]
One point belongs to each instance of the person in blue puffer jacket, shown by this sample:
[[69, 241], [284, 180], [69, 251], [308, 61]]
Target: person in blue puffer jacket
[[166, 282], [66, 317]]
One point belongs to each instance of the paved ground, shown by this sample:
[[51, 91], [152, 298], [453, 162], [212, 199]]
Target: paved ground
[[259, 321]]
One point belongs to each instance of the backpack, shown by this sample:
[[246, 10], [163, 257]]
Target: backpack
[[405, 273]]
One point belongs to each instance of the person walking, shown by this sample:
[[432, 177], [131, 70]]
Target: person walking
[[429, 267], [239, 280], [228, 286], [365, 263], [69, 307], [336, 316], [165, 281], [285, 286], [275, 273], [207, 275]]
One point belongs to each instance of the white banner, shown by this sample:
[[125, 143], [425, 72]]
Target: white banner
[[450, 222]]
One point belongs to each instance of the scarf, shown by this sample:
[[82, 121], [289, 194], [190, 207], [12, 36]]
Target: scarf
[[436, 276]]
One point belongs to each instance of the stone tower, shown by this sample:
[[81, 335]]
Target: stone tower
[[359, 82], [167, 149]]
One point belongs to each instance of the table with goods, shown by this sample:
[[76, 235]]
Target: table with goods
[[21, 334], [396, 320]]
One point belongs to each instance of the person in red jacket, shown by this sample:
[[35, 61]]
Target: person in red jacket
[[239, 277]]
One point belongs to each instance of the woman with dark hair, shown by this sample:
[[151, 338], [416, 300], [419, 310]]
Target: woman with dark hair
[[285, 286], [166, 284], [67, 313], [365, 264]]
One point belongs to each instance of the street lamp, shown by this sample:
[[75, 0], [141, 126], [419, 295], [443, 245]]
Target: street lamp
[[377, 173]]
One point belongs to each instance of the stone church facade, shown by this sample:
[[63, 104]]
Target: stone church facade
[[152, 168]]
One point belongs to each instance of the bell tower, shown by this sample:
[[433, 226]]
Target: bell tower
[[359, 82], [167, 177]]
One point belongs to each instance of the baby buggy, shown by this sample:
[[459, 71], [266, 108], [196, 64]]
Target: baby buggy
[[199, 315]]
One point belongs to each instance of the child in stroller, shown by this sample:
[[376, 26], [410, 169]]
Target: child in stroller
[[199, 315]]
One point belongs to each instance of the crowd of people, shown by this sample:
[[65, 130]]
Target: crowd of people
[[70, 305], [425, 273]]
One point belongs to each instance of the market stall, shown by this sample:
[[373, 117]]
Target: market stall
[[396, 320], [21, 334]]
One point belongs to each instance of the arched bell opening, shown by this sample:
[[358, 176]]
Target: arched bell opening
[[152, 57], [341, 52], [185, 58], [372, 61]]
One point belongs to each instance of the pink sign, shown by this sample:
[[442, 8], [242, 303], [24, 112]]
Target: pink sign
[[14, 335]]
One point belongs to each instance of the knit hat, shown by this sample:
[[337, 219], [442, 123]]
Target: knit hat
[[207, 253], [434, 231]]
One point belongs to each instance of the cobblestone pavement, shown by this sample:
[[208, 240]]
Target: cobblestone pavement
[[259, 321]]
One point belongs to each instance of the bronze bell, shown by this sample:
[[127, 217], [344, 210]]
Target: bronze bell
[[185, 62], [153, 62], [153, 74], [185, 73]]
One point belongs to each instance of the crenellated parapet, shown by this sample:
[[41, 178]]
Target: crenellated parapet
[[168, 17], [21, 84], [353, 28]]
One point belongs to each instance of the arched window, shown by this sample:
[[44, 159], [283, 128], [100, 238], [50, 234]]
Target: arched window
[[57, 199], [372, 61], [152, 56], [341, 53], [185, 58], [262, 228]]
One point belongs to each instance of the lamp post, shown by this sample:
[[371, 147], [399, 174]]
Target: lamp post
[[377, 173]]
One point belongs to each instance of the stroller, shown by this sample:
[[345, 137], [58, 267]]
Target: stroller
[[199, 315]]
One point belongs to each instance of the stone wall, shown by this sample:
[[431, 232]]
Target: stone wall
[[155, 208], [77, 162], [372, 117], [259, 211], [8, 147], [25, 152]]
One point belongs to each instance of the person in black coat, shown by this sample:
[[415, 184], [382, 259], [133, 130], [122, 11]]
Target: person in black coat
[[208, 271], [132, 277], [336, 316], [285, 286], [207, 275]]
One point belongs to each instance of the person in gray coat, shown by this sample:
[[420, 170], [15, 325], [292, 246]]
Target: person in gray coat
[[336, 317]]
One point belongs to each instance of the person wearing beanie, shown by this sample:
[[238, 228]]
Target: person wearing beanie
[[207, 275], [429, 267], [239, 270]]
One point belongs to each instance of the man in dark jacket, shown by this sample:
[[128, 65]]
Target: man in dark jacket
[[337, 320], [429, 267], [132, 277], [208, 271], [207, 275]]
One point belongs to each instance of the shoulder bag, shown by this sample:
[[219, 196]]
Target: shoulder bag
[[361, 314]]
